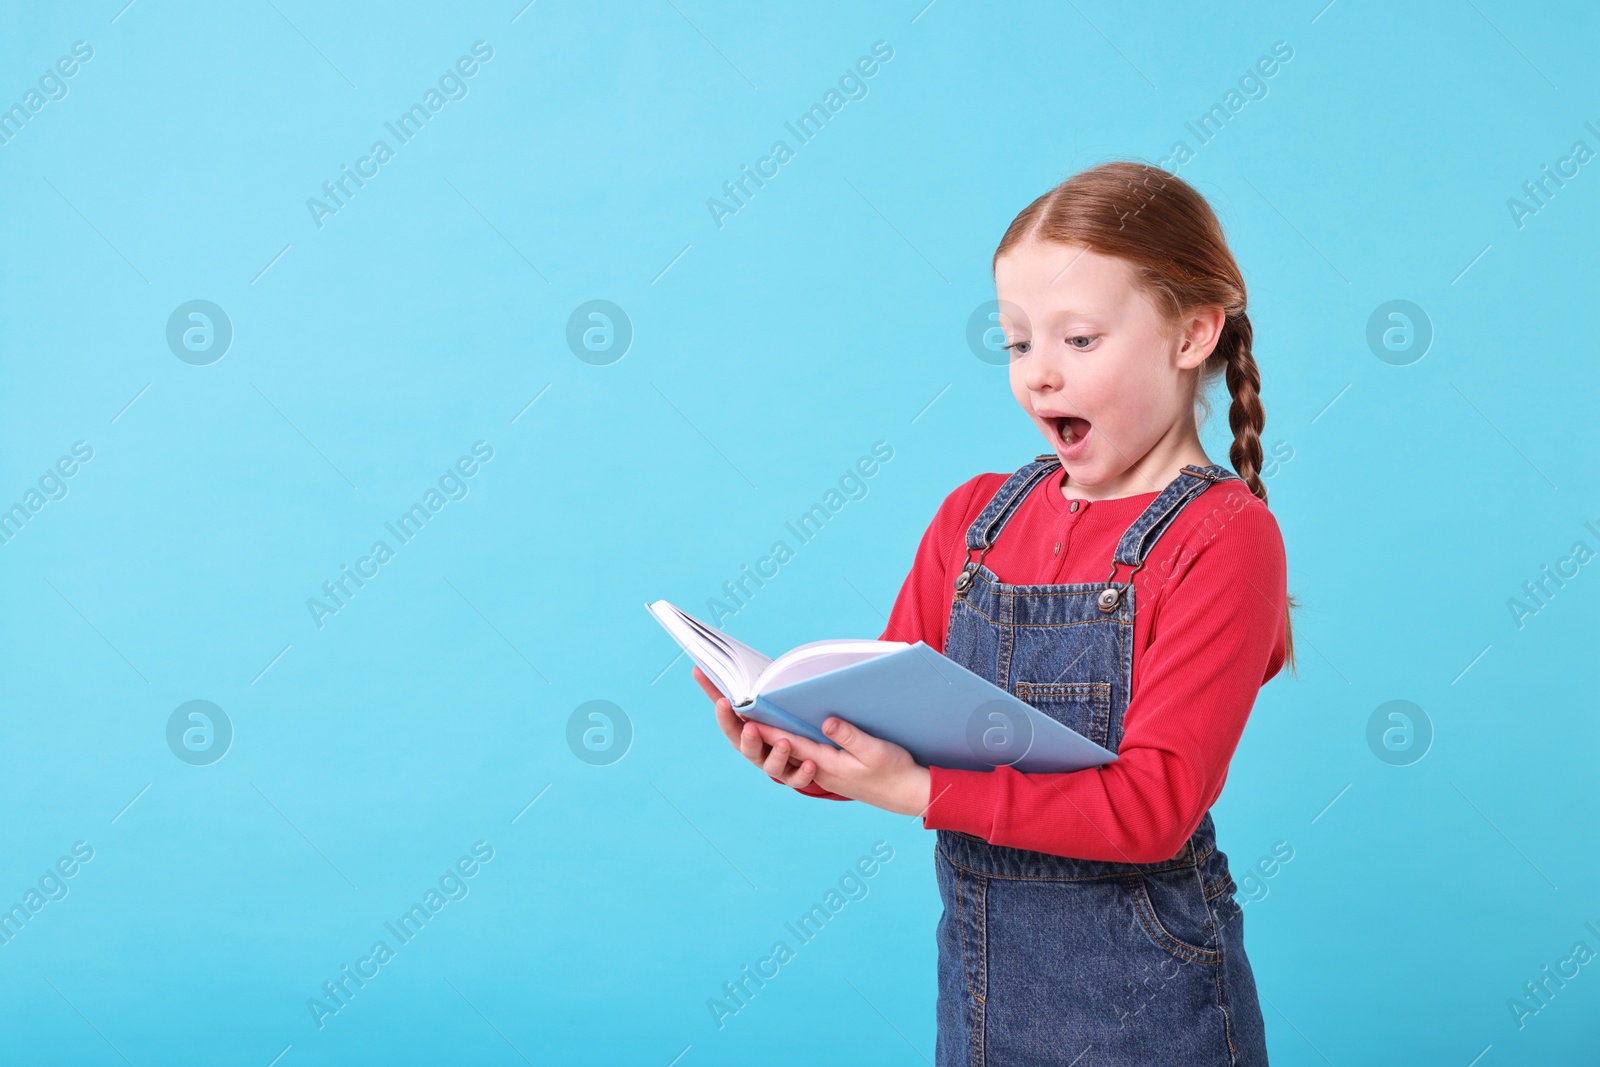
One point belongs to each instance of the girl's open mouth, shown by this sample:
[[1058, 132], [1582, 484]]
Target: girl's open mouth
[[1071, 433]]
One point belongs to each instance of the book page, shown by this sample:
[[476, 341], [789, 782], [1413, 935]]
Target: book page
[[820, 657], [731, 664]]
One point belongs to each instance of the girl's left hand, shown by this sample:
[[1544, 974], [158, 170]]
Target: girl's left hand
[[864, 768]]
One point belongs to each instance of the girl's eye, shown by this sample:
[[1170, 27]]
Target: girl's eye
[[1088, 338], [1018, 348]]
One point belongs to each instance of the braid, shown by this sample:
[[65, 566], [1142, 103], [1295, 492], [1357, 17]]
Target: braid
[[1246, 416]]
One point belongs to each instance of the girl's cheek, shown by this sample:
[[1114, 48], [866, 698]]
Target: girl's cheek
[[1019, 387]]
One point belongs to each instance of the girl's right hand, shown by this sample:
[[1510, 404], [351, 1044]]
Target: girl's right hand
[[743, 735]]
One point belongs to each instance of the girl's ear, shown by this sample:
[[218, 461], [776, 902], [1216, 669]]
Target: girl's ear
[[1201, 331]]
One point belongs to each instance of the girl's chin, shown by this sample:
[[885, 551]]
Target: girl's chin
[[1075, 477], [1078, 473]]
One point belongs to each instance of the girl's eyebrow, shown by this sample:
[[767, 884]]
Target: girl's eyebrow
[[1051, 318], [1071, 313]]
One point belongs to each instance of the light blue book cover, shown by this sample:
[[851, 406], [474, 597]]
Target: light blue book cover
[[930, 705]]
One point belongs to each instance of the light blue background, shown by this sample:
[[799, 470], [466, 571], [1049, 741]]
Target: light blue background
[[768, 355]]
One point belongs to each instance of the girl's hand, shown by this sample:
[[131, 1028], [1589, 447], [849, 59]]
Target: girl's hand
[[744, 736], [864, 768]]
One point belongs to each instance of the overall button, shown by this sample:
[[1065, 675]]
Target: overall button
[[1107, 600]]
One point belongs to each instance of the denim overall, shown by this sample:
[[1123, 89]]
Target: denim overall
[[1045, 959]]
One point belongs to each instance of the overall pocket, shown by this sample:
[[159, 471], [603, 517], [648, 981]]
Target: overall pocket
[[1171, 907], [1081, 706]]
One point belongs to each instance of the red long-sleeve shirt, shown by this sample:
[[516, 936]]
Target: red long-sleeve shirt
[[1208, 633]]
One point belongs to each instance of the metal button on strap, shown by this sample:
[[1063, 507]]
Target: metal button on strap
[[964, 580], [1111, 595]]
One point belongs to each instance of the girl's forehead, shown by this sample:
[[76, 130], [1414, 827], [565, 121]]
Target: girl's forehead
[[1060, 274], [1082, 300]]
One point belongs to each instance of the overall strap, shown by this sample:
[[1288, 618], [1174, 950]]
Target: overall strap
[[1140, 538], [993, 518]]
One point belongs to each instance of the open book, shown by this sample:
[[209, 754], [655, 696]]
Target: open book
[[741, 672], [930, 705]]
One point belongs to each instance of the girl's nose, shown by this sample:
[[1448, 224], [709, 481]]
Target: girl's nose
[[1042, 374]]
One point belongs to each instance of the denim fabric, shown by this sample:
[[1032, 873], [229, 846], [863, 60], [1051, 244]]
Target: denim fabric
[[1047, 959]]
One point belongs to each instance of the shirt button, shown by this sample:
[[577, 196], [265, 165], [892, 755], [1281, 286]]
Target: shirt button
[[1072, 506]]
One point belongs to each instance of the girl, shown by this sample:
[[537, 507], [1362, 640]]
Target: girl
[[1125, 585]]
